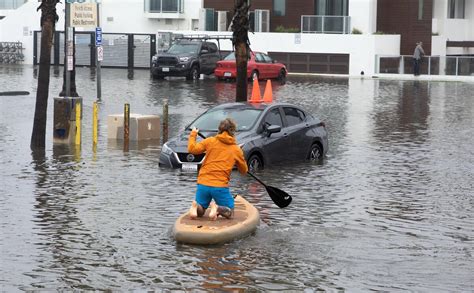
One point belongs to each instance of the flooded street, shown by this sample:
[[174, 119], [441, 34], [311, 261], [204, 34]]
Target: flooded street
[[390, 208]]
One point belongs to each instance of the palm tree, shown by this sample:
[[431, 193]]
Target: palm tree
[[48, 22], [240, 41]]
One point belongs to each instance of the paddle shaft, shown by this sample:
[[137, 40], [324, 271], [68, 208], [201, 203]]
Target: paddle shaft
[[256, 178]]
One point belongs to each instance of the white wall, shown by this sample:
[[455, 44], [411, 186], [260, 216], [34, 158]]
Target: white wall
[[469, 14], [438, 46], [129, 17], [453, 29], [361, 48], [363, 15], [20, 24]]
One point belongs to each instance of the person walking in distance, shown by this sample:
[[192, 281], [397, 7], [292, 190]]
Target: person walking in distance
[[417, 55], [222, 154]]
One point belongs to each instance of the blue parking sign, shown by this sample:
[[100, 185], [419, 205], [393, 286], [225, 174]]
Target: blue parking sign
[[98, 36]]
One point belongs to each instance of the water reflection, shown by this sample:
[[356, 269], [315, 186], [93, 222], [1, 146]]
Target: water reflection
[[389, 209], [57, 224], [221, 270]]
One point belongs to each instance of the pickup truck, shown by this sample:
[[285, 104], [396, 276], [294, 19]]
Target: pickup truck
[[188, 58]]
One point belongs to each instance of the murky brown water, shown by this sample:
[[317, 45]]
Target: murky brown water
[[390, 209]]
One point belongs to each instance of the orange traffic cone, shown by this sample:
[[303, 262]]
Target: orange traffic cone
[[268, 95], [256, 96]]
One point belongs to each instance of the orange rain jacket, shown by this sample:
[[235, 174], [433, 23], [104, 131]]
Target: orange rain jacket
[[222, 153]]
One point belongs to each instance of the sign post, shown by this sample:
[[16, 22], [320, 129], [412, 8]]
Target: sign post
[[84, 14], [69, 51], [99, 54]]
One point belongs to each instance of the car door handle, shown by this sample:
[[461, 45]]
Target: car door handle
[[285, 134]]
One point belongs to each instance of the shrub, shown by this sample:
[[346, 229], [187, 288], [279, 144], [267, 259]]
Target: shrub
[[282, 29], [356, 31]]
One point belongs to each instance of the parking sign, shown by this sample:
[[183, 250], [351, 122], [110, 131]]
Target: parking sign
[[98, 36]]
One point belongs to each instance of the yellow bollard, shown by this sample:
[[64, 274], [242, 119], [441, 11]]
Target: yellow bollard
[[95, 124], [78, 123], [165, 121], [126, 126]]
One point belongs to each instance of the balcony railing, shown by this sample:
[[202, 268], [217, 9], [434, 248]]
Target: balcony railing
[[430, 65], [11, 4], [325, 24], [164, 6]]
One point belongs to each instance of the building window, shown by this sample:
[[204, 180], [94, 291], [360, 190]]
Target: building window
[[160, 6], [420, 9], [11, 4], [209, 19], [331, 7], [456, 8], [279, 7]]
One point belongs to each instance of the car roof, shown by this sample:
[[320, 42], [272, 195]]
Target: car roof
[[246, 105], [188, 42]]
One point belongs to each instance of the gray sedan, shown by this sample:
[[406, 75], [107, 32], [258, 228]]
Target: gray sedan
[[268, 134]]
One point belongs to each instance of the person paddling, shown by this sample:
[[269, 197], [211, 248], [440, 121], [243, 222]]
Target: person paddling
[[222, 154]]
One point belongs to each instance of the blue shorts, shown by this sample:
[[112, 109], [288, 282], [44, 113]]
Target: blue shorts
[[221, 195]]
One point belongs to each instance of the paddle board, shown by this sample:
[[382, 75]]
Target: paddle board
[[204, 231]]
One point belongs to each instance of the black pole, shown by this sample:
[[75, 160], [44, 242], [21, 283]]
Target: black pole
[[130, 52]]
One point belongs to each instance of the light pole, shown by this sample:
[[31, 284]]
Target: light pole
[[99, 53], [69, 50]]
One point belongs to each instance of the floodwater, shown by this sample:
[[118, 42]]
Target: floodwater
[[390, 208]]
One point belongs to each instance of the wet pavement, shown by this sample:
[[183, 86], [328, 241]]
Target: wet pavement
[[389, 209]]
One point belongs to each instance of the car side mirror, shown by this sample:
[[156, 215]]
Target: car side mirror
[[273, 129]]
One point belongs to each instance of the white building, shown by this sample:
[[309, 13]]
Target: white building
[[451, 22]]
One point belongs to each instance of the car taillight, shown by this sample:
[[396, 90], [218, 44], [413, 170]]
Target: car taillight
[[219, 65], [322, 124]]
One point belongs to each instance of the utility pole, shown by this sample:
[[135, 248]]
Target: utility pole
[[99, 53], [69, 50], [69, 74]]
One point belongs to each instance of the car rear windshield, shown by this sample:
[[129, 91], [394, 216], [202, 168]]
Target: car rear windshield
[[245, 118], [180, 48], [231, 56]]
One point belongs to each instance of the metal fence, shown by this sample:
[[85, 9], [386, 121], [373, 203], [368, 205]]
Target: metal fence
[[430, 65], [325, 24], [11, 52], [120, 50]]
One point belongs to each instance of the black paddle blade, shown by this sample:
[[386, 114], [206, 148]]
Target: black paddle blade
[[279, 197]]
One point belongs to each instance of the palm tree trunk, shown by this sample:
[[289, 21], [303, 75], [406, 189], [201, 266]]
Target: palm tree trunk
[[240, 41], [48, 20]]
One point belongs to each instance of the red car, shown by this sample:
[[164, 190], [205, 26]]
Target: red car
[[260, 66]]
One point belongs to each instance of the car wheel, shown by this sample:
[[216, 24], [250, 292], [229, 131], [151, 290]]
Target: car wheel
[[315, 153], [282, 76], [194, 73], [255, 163]]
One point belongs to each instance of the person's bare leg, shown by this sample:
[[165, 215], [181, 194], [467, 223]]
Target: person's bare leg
[[200, 211], [213, 212], [226, 212], [196, 210]]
